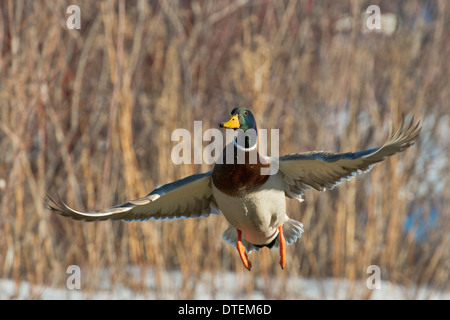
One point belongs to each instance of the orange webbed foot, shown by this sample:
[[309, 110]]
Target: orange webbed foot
[[241, 249], [282, 247]]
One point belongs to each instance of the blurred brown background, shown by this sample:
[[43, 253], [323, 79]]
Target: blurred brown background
[[88, 114]]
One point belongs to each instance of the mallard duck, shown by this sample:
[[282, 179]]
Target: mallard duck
[[253, 203]]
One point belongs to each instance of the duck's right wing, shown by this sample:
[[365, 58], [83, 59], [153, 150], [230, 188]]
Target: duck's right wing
[[190, 197]]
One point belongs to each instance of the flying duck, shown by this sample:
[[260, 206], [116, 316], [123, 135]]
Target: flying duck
[[252, 201]]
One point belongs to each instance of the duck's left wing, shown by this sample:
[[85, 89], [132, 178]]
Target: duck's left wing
[[324, 170], [190, 197]]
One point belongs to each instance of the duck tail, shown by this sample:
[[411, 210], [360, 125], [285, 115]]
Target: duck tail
[[292, 230], [231, 236]]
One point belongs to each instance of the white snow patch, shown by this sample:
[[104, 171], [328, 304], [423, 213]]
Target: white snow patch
[[225, 286]]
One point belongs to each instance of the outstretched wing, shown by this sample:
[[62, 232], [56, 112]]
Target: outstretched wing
[[324, 170], [190, 197]]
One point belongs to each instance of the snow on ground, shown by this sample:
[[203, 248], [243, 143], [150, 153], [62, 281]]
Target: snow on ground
[[223, 286]]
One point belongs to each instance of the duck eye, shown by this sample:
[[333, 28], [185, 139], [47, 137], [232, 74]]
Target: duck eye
[[245, 113]]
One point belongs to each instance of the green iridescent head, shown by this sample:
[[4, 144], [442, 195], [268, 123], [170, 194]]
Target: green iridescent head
[[241, 118]]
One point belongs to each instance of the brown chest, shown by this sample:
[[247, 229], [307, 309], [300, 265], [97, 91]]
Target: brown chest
[[239, 179]]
